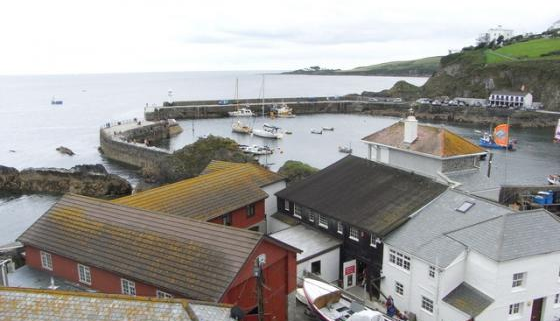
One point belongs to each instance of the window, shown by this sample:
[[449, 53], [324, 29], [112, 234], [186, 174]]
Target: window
[[251, 210], [46, 260], [399, 259], [465, 207], [354, 234], [515, 309], [432, 271], [84, 275], [287, 205], [316, 267], [163, 295], [227, 219], [517, 280], [427, 304], [323, 221], [311, 216], [557, 298], [399, 288], [128, 287], [297, 211], [372, 241], [340, 229]]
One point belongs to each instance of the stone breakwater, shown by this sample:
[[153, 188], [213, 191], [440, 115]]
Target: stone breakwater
[[130, 142], [355, 104], [89, 180]]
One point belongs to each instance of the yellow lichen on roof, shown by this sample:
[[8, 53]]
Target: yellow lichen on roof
[[204, 197], [260, 175], [455, 145]]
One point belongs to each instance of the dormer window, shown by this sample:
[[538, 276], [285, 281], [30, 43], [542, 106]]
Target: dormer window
[[465, 207]]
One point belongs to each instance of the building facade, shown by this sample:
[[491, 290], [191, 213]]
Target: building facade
[[515, 99], [494, 33]]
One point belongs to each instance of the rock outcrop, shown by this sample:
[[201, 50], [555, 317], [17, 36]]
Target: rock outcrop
[[89, 180]]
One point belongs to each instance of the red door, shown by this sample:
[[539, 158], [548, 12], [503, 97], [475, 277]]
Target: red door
[[537, 310]]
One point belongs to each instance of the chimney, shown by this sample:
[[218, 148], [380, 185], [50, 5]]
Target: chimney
[[410, 128]]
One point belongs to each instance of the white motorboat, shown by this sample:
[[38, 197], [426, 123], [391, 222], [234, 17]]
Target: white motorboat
[[345, 149], [317, 131], [239, 127], [328, 128], [268, 131], [283, 111], [554, 179], [241, 112], [256, 150], [329, 304]]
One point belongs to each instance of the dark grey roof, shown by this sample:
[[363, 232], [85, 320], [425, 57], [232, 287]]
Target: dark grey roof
[[363, 193], [311, 241], [424, 235], [514, 235], [468, 299], [509, 93]]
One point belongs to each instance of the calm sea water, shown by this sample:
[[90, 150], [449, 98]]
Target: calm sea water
[[32, 128]]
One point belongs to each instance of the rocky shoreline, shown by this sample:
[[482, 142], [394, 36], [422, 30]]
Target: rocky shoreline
[[88, 180]]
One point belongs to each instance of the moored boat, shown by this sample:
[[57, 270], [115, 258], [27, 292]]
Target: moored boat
[[268, 131], [329, 304], [55, 101], [557, 132], [328, 128], [283, 111], [239, 127], [554, 179], [345, 149], [498, 140], [317, 131], [241, 112], [256, 150]]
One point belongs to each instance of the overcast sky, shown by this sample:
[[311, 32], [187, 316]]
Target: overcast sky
[[98, 36]]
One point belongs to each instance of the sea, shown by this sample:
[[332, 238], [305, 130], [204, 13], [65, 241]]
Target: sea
[[32, 128]]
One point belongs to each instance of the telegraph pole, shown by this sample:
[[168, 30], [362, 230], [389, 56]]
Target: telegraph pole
[[257, 271]]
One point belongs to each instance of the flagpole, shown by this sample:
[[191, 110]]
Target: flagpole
[[507, 147]]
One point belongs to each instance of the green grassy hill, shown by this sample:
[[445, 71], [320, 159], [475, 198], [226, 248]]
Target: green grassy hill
[[424, 66], [528, 50]]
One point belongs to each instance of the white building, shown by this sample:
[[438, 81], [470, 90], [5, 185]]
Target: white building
[[494, 33], [506, 98], [320, 251], [464, 258], [427, 150]]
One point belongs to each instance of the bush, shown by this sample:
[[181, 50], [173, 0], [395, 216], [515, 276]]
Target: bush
[[295, 171]]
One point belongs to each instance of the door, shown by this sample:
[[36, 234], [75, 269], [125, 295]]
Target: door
[[537, 309], [349, 274]]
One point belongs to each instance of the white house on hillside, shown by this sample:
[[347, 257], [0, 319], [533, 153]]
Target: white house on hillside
[[494, 33], [506, 98], [464, 258]]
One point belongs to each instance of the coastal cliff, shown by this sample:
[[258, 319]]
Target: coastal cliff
[[88, 180]]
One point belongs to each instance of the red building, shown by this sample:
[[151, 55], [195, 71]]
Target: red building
[[227, 193], [113, 248]]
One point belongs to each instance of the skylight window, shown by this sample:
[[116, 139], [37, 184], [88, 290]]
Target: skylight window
[[465, 207]]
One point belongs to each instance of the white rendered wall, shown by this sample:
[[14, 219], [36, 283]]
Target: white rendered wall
[[330, 263], [270, 206]]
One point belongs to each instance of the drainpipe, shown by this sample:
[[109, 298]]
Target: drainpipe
[[4, 272]]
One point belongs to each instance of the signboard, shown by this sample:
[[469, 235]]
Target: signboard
[[349, 277], [350, 270]]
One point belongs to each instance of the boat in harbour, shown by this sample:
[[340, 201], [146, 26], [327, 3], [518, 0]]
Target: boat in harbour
[[498, 140], [239, 127], [241, 112], [317, 131], [268, 131], [55, 101], [329, 304], [283, 111], [345, 149], [554, 179], [256, 150], [557, 133], [328, 128]]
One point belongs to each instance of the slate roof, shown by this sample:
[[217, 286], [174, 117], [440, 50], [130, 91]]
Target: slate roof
[[468, 299], [509, 93], [365, 194], [435, 141], [512, 236], [198, 260], [425, 234], [257, 173], [31, 304], [204, 197], [310, 241]]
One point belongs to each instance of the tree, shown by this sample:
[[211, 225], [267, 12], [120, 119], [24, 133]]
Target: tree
[[500, 40]]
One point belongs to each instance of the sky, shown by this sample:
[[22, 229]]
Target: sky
[[105, 36]]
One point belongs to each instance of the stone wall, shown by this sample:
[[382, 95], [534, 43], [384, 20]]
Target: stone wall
[[135, 154], [459, 164]]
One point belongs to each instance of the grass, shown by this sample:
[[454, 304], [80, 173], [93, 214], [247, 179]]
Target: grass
[[424, 65], [528, 50]]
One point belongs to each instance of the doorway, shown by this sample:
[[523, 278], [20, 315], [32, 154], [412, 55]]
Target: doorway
[[536, 311]]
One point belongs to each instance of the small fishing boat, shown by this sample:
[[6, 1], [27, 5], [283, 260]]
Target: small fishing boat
[[498, 140], [557, 133], [283, 111], [345, 149], [239, 127], [317, 131], [329, 304], [328, 128], [554, 179], [55, 101], [241, 112], [256, 150]]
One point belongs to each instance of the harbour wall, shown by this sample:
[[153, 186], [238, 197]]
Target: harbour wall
[[128, 142], [353, 105]]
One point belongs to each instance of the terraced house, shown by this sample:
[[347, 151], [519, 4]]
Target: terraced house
[[359, 202], [232, 194], [118, 249]]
